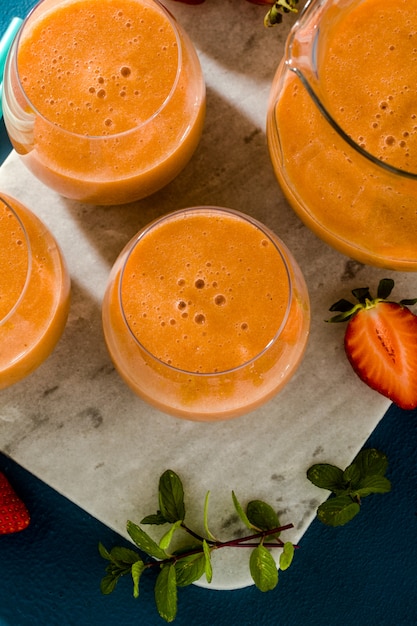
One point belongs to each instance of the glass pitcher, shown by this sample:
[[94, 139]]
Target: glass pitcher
[[342, 127]]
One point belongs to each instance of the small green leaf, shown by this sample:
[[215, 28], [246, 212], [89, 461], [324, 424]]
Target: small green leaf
[[263, 569], [385, 287], [108, 584], [342, 305], [370, 461], [351, 476], [137, 569], [207, 568], [166, 593], [362, 294], [189, 569], [373, 484], [144, 541], [123, 556], [240, 511], [166, 539], [171, 497], [261, 515], [103, 552], [338, 511], [408, 301], [206, 528], [326, 476], [286, 556], [156, 519]]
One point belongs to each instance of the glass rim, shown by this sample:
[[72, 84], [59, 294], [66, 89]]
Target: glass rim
[[12, 59], [279, 246], [22, 293]]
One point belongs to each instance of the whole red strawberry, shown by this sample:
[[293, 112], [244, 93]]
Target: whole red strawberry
[[381, 342], [14, 515]]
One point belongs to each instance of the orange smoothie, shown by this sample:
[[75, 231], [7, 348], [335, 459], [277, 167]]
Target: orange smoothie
[[107, 102], [34, 292], [206, 314], [363, 70]]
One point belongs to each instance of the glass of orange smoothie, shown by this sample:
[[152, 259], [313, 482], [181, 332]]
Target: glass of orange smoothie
[[206, 314], [34, 292], [342, 127], [103, 99]]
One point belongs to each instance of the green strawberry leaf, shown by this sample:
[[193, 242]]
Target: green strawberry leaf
[[386, 285], [166, 593], [263, 569], [338, 511], [171, 497], [144, 541]]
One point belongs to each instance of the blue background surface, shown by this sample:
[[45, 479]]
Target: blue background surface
[[363, 573]]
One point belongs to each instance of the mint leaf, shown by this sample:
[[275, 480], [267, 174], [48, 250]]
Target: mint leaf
[[144, 541], [207, 568], [166, 539], [261, 515], [370, 461], [103, 551], [373, 484], [123, 556], [171, 497], [286, 556], [206, 527], [326, 476], [108, 583], [166, 593], [263, 569], [338, 511], [189, 569], [157, 519], [352, 476], [137, 569], [240, 511]]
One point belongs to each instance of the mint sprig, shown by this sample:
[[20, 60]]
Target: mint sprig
[[363, 477], [181, 567]]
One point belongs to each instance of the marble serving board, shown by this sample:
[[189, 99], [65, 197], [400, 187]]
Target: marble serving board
[[74, 423]]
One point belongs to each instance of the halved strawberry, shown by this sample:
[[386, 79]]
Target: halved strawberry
[[14, 515], [381, 342]]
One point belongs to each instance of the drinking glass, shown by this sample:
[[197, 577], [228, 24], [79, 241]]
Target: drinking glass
[[34, 292], [104, 100], [206, 314]]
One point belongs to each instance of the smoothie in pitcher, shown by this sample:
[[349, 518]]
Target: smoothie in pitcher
[[358, 191]]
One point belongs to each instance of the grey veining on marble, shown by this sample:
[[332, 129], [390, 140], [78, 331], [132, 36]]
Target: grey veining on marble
[[74, 423]]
